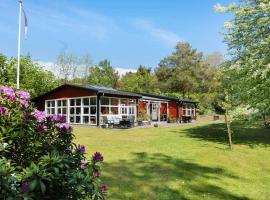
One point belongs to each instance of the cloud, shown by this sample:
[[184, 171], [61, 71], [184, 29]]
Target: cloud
[[165, 36], [72, 19], [50, 66], [123, 71]]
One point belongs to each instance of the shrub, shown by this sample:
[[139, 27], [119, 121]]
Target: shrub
[[37, 157]]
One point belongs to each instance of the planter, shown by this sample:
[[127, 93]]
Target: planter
[[140, 123], [131, 124]]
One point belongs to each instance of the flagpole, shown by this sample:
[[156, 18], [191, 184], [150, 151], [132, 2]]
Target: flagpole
[[19, 46]]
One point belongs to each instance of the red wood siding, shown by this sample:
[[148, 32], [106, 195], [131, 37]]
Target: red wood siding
[[143, 106], [66, 92], [172, 109]]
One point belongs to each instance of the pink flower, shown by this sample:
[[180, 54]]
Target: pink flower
[[41, 128], [25, 187], [39, 115], [3, 110], [97, 174], [103, 188], [23, 94], [7, 91], [81, 148], [97, 157], [24, 103], [57, 118], [63, 127], [26, 116]]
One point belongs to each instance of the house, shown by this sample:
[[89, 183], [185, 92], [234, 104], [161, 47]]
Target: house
[[95, 105]]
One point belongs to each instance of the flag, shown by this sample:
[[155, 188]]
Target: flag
[[25, 23]]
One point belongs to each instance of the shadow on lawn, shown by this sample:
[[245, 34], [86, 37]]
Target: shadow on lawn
[[243, 133], [150, 176]]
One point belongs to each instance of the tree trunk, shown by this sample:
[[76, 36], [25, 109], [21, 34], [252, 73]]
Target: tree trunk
[[229, 131]]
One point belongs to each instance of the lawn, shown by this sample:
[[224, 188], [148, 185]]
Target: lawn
[[185, 162]]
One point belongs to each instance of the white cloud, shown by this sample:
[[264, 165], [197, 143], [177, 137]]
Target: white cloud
[[50, 66], [73, 19], [123, 71], [165, 36]]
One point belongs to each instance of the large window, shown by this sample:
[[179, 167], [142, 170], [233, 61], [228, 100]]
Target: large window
[[122, 107], [83, 110], [189, 109]]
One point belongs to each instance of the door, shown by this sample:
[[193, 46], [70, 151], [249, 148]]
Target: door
[[154, 111]]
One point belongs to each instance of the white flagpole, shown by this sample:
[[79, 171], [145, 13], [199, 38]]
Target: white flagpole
[[19, 46]]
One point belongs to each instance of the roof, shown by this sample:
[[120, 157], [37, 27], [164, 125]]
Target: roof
[[111, 91], [95, 88]]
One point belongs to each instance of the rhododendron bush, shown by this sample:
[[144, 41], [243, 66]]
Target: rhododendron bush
[[37, 157]]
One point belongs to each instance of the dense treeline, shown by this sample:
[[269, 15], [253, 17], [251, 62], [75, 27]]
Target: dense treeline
[[186, 73], [33, 78]]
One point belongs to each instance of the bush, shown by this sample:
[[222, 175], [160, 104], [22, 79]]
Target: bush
[[37, 157]]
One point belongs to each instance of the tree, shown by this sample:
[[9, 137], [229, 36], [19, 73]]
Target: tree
[[248, 39], [141, 81], [186, 72], [33, 77], [179, 71], [103, 75], [67, 64], [214, 59]]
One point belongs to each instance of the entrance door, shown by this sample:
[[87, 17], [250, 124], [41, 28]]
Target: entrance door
[[154, 111]]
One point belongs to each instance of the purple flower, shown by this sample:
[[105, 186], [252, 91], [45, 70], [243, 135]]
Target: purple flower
[[68, 150], [41, 128], [63, 127], [24, 103], [12, 98], [83, 164], [25, 187], [98, 157], [97, 174], [7, 91], [39, 115], [81, 148], [23, 94], [103, 188], [58, 118], [3, 110], [26, 116]]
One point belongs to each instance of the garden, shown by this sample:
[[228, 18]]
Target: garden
[[191, 161], [38, 158]]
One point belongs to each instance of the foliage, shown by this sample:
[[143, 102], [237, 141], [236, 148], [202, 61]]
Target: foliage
[[141, 81], [33, 78], [38, 159], [103, 75], [248, 39], [187, 71]]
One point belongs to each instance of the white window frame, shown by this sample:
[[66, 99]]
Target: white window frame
[[120, 107], [68, 107]]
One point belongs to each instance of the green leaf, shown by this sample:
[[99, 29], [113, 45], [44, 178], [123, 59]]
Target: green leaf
[[42, 187], [33, 185]]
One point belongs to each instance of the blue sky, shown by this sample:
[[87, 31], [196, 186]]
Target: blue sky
[[127, 32]]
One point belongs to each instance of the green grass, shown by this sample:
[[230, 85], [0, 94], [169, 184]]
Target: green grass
[[185, 162]]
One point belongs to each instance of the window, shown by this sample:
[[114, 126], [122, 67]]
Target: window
[[75, 111], [189, 110], [62, 107], [117, 106], [50, 107], [83, 110]]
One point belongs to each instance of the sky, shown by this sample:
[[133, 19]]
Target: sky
[[127, 32]]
